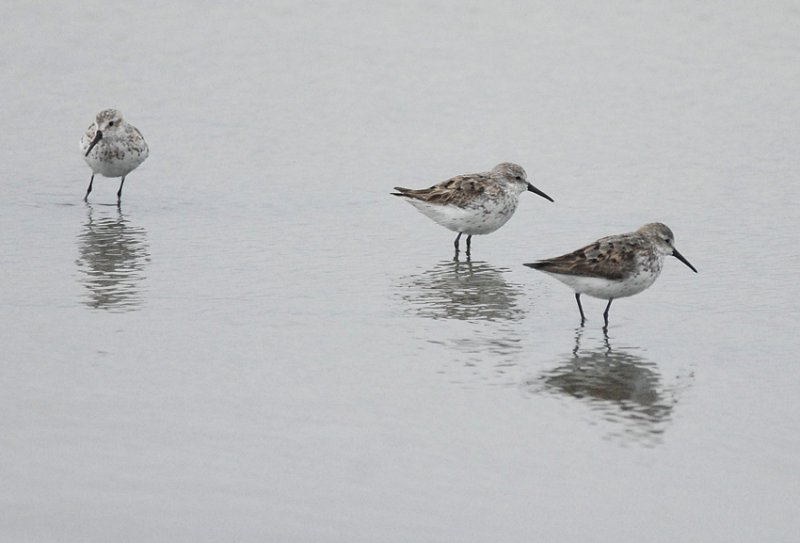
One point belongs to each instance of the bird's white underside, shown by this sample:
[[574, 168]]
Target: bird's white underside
[[607, 289], [473, 220]]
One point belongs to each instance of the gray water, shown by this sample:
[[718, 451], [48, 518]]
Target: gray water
[[263, 345]]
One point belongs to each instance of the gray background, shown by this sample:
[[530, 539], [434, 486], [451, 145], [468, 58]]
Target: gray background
[[263, 345]]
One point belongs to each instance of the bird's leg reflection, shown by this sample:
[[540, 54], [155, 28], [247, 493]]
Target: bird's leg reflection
[[606, 341], [465, 266], [578, 334]]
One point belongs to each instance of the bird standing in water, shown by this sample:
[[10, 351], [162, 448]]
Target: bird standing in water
[[112, 148], [614, 266], [473, 204]]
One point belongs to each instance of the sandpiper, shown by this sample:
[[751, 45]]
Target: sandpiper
[[614, 266], [473, 204], [112, 148]]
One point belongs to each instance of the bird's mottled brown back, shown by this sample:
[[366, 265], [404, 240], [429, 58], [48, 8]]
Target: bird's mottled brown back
[[612, 257], [457, 191]]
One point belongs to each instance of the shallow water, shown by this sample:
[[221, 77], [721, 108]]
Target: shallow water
[[262, 344]]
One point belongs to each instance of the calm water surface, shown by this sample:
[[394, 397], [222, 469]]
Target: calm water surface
[[263, 345]]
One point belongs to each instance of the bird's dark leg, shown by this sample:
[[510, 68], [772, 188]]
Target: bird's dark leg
[[580, 307], [469, 240], [86, 198], [455, 243], [119, 192], [605, 313]]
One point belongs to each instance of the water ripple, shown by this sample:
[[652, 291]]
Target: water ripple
[[463, 290], [112, 258]]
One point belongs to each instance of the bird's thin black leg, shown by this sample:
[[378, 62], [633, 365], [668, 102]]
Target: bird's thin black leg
[[580, 307], [469, 241], [455, 243], [605, 313], [86, 198], [119, 192]]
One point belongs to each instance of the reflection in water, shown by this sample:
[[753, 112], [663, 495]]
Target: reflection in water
[[624, 388], [112, 258], [463, 290], [481, 307]]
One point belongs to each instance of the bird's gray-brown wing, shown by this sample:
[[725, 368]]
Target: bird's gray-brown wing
[[458, 191], [613, 257], [136, 140]]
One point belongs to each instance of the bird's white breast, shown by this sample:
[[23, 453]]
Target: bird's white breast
[[482, 216], [114, 156], [640, 279]]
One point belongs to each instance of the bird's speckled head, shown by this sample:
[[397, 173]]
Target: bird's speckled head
[[659, 233], [510, 171], [108, 124], [109, 120], [515, 175], [663, 240]]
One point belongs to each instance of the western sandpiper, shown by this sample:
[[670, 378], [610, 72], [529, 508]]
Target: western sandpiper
[[473, 204], [614, 266], [112, 148]]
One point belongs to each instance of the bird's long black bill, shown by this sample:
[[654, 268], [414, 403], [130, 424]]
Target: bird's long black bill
[[680, 257], [97, 137], [534, 190]]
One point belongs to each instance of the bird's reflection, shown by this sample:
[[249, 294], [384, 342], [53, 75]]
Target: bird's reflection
[[482, 313], [624, 388], [470, 290], [112, 257]]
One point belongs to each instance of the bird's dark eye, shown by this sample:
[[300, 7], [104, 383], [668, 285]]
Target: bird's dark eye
[[519, 177], [111, 123]]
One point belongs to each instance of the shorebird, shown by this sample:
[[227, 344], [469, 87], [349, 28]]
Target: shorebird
[[615, 266], [112, 148], [472, 204]]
